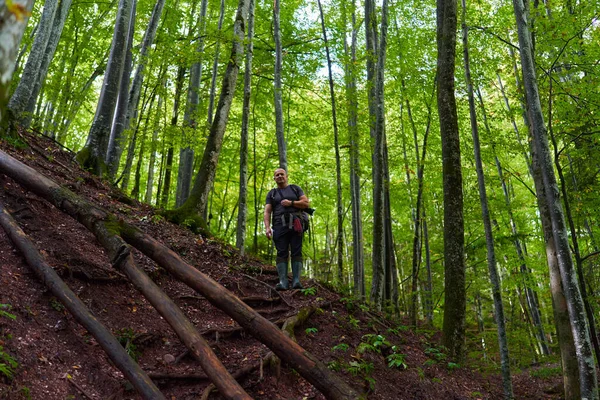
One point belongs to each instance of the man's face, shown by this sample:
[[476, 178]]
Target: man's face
[[280, 176]]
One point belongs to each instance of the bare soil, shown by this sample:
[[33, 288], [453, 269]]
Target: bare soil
[[58, 359]]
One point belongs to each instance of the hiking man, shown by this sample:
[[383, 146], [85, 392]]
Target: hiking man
[[284, 203]]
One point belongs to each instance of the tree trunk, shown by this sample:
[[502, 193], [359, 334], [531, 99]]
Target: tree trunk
[[114, 152], [153, 144], [279, 130], [117, 354], [20, 99], [454, 276], [93, 154], [120, 118], [579, 323], [190, 117], [240, 238], [338, 171], [357, 230], [197, 201], [487, 224]]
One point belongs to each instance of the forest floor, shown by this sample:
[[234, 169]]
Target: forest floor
[[58, 359]]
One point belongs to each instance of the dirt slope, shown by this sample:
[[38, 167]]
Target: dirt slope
[[58, 359]]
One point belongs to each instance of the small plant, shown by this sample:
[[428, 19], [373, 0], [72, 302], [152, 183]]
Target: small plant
[[452, 366], [311, 331], [396, 331], [126, 336], [371, 381], [373, 343], [436, 353], [310, 291], [353, 322], [429, 363], [396, 360], [25, 392], [341, 347], [7, 364], [6, 314], [334, 365], [360, 367], [57, 305]]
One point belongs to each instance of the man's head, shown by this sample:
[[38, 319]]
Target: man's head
[[280, 177]]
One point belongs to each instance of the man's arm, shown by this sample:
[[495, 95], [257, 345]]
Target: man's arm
[[302, 203], [267, 220]]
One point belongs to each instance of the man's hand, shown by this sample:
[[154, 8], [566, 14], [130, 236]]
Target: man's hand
[[286, 203], [269, 233]]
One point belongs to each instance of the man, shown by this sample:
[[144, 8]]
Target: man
[[282, 203]]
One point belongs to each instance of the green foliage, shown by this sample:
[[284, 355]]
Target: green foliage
[[6, 314], [7, 364], [310, 291], [372, 343], [360, 367], [335, 365], [546, 372], [452, 366], [396, 360], [436, 353], [341, 347], [353, 322], [57, 305], [311, 331], [126, 336]]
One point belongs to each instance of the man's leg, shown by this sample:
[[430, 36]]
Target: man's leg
[[282, 245], [296, 247]]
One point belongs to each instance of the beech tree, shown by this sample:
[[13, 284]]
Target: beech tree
[[454, 265], [92, 155]]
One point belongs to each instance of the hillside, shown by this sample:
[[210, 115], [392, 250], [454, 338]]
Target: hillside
[[57, 359]]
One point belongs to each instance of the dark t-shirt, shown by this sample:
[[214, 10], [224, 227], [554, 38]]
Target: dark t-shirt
[[274, 197]]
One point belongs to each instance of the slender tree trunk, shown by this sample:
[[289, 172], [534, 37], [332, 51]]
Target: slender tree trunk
[[428, 285], [357, 230], [20, 99], [579, 323], [153, 144], [120, 118], [190, 117], [135, 192], [93, 154], [574, 235], [240, 239], [11, 31], [197, 201], [487, 224], [338, 171], [279, 130], [454, 277]]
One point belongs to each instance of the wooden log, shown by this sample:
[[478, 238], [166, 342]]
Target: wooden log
[[103, 225], [138, 378], [106, 228]]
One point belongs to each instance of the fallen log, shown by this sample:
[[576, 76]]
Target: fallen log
[[106, 228], [132, 371], [102, 225]]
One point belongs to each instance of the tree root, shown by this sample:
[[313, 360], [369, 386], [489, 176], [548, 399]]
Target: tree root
[[270, 360]]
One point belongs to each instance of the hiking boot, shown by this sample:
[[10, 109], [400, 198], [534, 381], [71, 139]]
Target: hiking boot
[[282, 271], [296, 271]]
